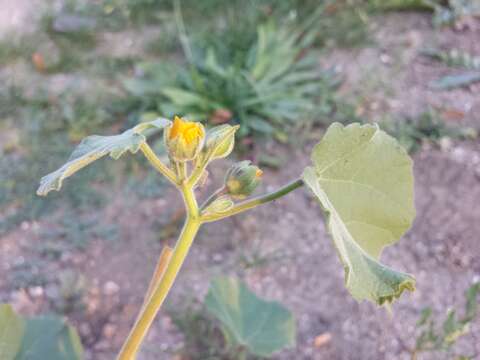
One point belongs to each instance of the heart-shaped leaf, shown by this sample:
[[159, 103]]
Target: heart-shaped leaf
[[95, 147], [263, 327], [38, 338], [50, 337], [363, 179]]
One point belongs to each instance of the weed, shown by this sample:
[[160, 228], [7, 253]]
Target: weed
[[203, 337], [69, 294], [429, 126], [266, 86], [28, 274], [441, 339], [14, 47], [454, 57], [452, 11]]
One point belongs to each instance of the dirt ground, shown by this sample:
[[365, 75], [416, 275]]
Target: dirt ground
[[442, 249]]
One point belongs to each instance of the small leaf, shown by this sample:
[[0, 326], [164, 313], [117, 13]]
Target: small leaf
[[11, 332], [424, 316], [90, 149], [453, 329], [264, 327], [260, 125], [51, 338], [183, 97], [363, 180], [95, 147], [220, 205], [158, 123], [471, 306]]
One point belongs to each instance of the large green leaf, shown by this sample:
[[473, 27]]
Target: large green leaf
[[51, 338], [95, 147], [264, 327], [38, 338], [363, 180], [11, 332]]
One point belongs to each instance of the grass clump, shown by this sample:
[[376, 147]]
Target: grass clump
[[264, 84]]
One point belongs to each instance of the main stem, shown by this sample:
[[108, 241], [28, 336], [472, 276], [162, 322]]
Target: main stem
[[150, 310], [190, 229]]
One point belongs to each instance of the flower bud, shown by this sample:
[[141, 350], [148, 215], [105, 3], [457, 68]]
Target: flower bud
[[184, 139], [219, 205], [242, 179], [220, 141]]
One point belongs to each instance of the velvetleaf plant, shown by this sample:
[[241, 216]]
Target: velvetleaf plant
[[361, 176]]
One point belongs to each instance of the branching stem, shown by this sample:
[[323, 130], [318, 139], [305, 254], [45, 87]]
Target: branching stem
[[157, 163], [252, 203], [169, 267], [152, 306]]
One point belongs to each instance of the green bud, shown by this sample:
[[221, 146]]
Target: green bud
[[242, 179], [220, 141], [220, 205]]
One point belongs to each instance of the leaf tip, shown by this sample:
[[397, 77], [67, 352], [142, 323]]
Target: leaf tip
[[407, 284]]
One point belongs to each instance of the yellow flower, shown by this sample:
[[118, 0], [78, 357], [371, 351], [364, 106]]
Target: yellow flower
[[190, 131], [184, 139]]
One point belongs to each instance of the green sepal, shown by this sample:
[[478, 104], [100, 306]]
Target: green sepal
[[220, 141], [242, 179], [219, 205]]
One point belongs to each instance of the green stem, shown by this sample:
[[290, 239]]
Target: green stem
[[190, 201], [212, 197], [249, 204], [155, 301], [157, 163], [151, 308], [192, 225], [197, 172]]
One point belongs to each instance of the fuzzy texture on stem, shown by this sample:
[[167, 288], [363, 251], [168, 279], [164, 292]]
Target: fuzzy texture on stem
[[151, 308], [160, 269], [157, 163]]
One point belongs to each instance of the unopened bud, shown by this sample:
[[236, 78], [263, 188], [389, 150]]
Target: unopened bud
[[219, 205], [242, 179], [220, 141]]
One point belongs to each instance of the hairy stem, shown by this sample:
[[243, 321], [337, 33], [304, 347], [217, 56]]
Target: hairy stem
[[212, 197], [151, 308], [162, 264], [249, 204], [157, 163], [162, 286]]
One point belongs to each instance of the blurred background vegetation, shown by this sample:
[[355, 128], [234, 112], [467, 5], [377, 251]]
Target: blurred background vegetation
[[98, 67], [261, 71]]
